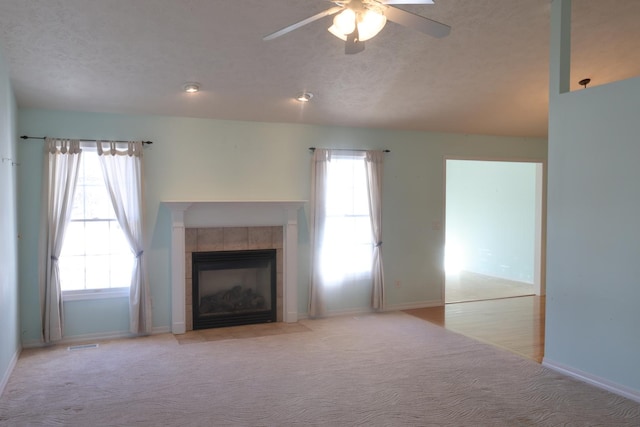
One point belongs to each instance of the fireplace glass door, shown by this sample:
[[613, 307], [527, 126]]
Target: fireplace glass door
[[233, 288]]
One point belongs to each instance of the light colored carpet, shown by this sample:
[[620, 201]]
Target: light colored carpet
[[388, 369]]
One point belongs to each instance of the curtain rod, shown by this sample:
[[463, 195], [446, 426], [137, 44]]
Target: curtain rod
[[81, 139], [346, 149]]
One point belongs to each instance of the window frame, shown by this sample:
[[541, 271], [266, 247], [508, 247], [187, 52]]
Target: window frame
[[95, 294], [349, 214], [89, 148]]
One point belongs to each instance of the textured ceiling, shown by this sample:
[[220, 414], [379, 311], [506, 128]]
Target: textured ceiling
[[489, 76]]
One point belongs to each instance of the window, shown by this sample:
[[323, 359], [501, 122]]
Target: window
[[95, 254], [347, 242]]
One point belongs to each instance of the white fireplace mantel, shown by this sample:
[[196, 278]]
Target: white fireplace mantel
[[201, 214]]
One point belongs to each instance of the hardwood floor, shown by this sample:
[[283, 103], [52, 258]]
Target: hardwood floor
[[469, 286], [515, 324]]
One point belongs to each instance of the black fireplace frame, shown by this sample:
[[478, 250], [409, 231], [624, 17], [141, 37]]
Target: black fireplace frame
[[220, 260]]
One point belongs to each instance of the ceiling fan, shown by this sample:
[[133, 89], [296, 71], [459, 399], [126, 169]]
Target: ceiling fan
[[360, 20]]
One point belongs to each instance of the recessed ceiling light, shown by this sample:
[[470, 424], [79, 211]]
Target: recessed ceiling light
[[304, 97], [191, 87]]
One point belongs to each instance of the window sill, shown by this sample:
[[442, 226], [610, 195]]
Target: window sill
[[94, 294]]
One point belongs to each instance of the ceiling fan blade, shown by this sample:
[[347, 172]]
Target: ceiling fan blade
[[407, 1], [416, 22], [309, 20]]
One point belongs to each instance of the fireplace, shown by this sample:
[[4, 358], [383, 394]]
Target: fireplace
[[233, 288], [192, 217]]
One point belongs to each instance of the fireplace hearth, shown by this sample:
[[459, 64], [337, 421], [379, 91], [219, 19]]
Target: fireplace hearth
[[233, 288]]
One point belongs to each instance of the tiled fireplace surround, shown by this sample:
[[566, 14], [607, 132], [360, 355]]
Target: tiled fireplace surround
[[231, 239], [233, 225]]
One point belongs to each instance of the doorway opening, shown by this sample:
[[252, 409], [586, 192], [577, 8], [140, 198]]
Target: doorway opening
[[493, 229]]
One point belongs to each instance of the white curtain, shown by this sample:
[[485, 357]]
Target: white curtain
[[60, 175], [373, 163], [122, 169], [317, 216]]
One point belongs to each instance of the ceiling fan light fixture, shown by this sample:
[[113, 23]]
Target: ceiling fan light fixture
[[304, 97], [370, 23], [334, 30], [191, 87], [343, 23]]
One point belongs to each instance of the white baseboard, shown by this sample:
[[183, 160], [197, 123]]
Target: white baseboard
[[348, 312], [9, 371], [339, 313], [160, 330], [103, 336], [32, 344], [413, 305], [392, 307], [594, 380]]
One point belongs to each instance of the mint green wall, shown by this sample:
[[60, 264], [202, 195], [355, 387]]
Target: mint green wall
[[230, 160], [29, 183], [491, 215], [9, 324], [593, 237]]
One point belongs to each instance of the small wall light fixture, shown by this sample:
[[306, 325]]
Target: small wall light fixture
[[584, 82], [191, 87], [304, 97]]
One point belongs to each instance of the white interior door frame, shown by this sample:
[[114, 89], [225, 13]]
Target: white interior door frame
[[540, 215]]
